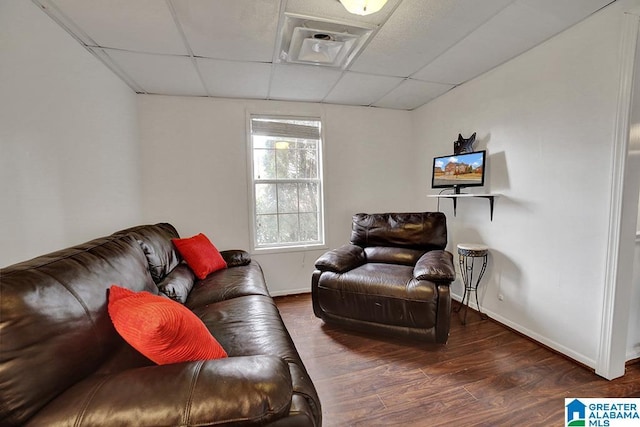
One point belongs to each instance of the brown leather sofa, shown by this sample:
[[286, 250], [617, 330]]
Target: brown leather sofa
[[63, 363], [392, 278]]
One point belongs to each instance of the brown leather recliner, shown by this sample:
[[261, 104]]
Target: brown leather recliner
[[392, 278]]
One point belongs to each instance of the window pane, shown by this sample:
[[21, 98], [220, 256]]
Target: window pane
[[264, 164], [308, 197], [308, 144], [287, 198], [266, 199], [288, 228], [286, 161], [308, 227], [260, 141], [266, 229], [308, 163]]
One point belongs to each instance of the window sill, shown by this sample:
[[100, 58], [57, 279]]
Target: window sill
[[286, 249]]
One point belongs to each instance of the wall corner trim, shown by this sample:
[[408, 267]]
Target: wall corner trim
[[610, 361]]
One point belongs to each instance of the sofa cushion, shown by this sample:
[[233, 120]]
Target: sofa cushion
[[177, 284], [392, 255], [155, 241], [200, 254], [157, 265], [161, 329], [257, 320], [228, 283]]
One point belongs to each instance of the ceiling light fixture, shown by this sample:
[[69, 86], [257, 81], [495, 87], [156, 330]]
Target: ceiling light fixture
[[363, 7]]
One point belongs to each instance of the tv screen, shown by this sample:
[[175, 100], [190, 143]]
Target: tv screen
[[459, 170]]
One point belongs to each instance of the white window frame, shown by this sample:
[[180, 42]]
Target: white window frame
[[285, 247]]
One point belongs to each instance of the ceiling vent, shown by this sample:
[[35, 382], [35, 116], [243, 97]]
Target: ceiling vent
[[314, 41]]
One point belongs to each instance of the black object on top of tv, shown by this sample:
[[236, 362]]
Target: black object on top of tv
[[459, 170]]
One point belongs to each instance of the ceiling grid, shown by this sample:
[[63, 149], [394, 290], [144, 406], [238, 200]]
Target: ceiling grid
[[411, 51]]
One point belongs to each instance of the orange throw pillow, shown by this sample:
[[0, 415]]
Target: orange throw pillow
[[200, 254], [161, 329]]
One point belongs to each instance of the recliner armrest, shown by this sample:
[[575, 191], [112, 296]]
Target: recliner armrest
[[339, 260], [435, 266]]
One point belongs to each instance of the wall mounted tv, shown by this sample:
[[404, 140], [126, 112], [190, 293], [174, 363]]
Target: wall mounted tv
[[459, 170]]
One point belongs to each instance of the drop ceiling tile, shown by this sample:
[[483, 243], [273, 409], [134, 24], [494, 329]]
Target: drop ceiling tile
[[516, 29], [140, 25], [161, 74], [412, 94], [361, 89], [567, 12], [334, 10], [234, 79], [461, 64], [419, 31], [230, 29], [302, 82]]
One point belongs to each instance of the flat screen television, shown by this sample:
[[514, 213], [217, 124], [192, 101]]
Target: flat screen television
[[459, 170]]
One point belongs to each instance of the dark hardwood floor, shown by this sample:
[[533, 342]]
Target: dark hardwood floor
[[486, 375]]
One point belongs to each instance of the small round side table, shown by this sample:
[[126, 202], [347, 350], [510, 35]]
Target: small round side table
[[467, 254]]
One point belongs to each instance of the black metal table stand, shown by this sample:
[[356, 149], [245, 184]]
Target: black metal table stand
[[467, 254]]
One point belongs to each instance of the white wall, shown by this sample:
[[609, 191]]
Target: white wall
[[68, 139], [547, 120], [194, 168]]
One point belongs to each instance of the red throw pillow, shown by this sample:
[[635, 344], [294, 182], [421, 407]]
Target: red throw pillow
[[200, 254], [160, 328]]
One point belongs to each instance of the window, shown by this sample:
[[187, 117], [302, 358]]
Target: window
[[286, 158]]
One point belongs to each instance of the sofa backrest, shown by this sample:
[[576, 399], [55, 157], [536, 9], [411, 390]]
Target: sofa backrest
[[156, 244], [413, 230], [54, 325]]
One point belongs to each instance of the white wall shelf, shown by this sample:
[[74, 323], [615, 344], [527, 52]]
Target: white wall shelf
[[455, 198]]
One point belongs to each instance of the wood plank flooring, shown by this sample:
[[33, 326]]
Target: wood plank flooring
[[486, 375]]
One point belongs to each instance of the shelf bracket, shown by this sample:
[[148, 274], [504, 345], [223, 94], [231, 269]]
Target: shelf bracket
[[490, 198], [454, 198]]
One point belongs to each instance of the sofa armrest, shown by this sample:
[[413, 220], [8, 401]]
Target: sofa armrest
[[339, 260], [237, 390], [235, 257], [435, 266]]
